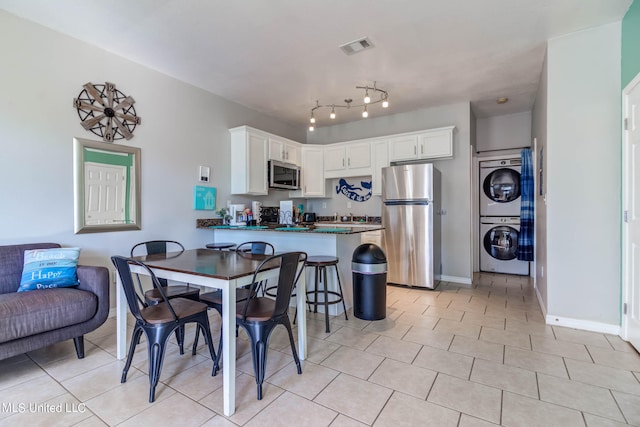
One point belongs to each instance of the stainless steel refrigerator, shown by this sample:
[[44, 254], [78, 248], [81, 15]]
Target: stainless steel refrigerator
[[411, 220]]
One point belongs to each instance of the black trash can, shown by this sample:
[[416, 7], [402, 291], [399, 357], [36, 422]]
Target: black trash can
[[369, 269]]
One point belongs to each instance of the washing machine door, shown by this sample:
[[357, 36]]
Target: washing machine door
[[501, 242]]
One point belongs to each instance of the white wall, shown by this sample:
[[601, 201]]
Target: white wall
[[457, 243], [509, 131], [182, 127], [539, 132], [583, 175]]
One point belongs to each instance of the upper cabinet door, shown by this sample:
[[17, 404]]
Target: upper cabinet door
[[436, 144], [284, 150], [403, 148], [349, 159], [359, 155], [248, 161], [313, 184], [380, 154], [334, 159], [429, 144], [276, 149]]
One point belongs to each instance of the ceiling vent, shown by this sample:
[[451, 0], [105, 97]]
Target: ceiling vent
[[357, 46]]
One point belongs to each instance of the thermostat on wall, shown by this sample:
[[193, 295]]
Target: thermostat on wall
[[203, 174]]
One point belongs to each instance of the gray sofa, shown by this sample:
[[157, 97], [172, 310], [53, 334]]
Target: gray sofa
[[38, 318]]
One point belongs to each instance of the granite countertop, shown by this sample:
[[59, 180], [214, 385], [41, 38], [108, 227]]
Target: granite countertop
[[301, 229], [322, 227]]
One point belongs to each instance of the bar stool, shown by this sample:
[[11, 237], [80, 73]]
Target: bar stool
[[320, 264], [220, 246]]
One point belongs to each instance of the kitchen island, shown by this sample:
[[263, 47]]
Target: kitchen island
[[339, 240]]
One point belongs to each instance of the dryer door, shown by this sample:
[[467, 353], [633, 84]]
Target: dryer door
[[501, 242], [500, 191]]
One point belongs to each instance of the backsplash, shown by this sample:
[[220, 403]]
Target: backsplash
[[367, 219], [339, 203]]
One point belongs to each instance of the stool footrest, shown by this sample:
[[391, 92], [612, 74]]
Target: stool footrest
[[316, 293]]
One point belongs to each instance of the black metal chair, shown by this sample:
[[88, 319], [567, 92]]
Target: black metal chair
[[158, 321], [153, 296], [257, 248], [214, 299], [259, 315]]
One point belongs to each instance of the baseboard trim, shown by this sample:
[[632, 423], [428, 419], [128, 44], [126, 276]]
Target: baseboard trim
[[585, 325], [455, 279]]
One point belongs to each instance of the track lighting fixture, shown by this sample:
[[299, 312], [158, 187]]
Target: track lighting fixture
[[384, 99]]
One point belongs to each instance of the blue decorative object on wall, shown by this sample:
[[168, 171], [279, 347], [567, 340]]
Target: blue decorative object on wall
[[357, 194], [204, 198]]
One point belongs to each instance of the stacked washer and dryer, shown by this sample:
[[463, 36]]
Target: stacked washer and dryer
[[500, 217]]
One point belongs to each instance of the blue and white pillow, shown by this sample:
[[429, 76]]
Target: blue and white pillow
[[49, 268]]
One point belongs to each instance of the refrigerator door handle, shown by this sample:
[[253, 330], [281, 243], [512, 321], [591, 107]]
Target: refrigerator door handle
[[424, 202]]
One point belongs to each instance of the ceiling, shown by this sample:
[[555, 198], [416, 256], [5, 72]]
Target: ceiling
[[280, 56]]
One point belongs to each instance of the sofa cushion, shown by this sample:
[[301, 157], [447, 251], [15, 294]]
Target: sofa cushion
[[49, 268], [12, 261], [28, 313]]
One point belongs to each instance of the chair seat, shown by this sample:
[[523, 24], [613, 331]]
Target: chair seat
[[260, 309], [160, 313], [172, 291], [220, 245], [215, 298], [321, 260]]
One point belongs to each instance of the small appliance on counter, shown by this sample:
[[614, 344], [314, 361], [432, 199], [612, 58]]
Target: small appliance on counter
[[269, 214], [238, 216], [256, 209], [308, 218], [286, 212]]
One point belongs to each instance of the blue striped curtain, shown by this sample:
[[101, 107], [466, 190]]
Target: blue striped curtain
[[525, 238]]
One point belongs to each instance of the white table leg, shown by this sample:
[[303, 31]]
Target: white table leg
[[229, 347], [301, 294], [121, 319]]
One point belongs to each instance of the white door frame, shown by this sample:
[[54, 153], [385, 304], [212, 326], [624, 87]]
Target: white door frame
[[627, 267]]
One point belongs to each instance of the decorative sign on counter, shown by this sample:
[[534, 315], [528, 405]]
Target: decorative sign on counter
[[204, 198], [357, 194]]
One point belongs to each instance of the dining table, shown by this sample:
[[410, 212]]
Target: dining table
[[225, 270]]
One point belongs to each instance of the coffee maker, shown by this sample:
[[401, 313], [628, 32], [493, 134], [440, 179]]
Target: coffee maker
[[238, 216]]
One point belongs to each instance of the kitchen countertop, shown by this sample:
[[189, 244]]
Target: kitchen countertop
[[318, 228]]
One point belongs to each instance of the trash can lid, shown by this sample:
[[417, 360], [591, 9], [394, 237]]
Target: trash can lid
[[368, 253]]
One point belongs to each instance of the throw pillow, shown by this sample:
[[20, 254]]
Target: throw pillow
[[49, 268]]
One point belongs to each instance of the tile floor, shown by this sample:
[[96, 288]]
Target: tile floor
[[457, 356]]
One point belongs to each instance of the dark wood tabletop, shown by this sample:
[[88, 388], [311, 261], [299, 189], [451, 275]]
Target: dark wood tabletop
[[225, 265]]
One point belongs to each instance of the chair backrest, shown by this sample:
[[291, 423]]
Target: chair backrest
[[291, 267], [153, 247], [256, 248], [135, 294]]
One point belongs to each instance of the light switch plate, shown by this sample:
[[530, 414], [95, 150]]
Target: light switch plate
[[203, 173]]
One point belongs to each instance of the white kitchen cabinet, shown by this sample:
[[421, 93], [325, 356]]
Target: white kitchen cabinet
[[312, 173], [284, 150], [248, 161], [374, 237], [345, 160], [335, 158], [380, 153], [431, 144]]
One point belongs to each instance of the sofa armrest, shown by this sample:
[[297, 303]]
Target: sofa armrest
[[95, 280]]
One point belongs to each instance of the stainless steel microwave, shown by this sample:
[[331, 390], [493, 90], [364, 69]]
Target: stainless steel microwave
[[285, 176]]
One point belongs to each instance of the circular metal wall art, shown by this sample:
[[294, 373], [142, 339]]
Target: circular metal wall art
[[106, 111]]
